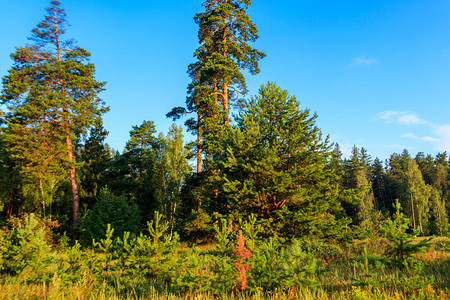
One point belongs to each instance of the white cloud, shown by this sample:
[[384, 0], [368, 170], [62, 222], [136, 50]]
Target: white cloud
[[443, 132], [410, 119], [363, 61], [410, 135], [429, 139], [401, 117], [388, 115], [413, 136]]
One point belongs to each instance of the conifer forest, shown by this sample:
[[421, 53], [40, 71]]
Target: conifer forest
[[254, 202]]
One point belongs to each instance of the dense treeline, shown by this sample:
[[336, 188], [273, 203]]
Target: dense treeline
[[272, 161], [266, 181]]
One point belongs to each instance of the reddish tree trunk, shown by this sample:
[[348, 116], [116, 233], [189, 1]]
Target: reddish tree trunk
[[73, 181]]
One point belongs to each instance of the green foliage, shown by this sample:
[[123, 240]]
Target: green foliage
[[401, 249], [414, 193], [10, 179], [26, 252], [276, 167], [170, 170], [133, 171], [241, 264], [96, 158], [439, 220], [52, 98], [369, 268], [301, 266], [112, 210], [361, 207], [198, 228], [225, 31]]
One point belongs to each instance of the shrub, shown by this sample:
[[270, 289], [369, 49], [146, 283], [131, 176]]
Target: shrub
[[401, 248], [109, 210], [25, 250]]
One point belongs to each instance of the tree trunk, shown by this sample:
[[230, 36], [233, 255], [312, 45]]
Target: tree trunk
[[73, 181], [412, 209], [225, 84], [225, 103], [215, 91], [421, 228], [199, 147]]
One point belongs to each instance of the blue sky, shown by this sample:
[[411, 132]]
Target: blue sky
[[376, 72]]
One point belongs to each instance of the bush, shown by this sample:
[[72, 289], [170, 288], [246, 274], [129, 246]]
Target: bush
[[401, 249], [25, 250], [112, 210]]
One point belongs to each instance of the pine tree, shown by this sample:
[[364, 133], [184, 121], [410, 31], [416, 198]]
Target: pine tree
[[53, 98], [426, 166], [276, 167], [225, 31], [96, 157], [378, 180], [357, 177], [137, 167]]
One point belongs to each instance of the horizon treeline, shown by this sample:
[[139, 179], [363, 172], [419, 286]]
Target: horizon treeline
[[269, 161]]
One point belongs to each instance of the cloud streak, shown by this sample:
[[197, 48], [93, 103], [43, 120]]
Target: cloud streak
[[401, 117], [413, 136], [363, 61], [441, 133]]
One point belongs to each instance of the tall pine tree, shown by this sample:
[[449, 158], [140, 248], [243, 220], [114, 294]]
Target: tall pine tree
[[225, 31], [53, 98]]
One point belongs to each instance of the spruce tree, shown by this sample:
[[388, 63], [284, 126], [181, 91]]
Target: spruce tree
[[96, 158], [136, 167], [357, 177], [378, 180], [53, 98]]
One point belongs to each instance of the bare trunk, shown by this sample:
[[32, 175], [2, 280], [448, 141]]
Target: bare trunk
[[172, 215], [412, 209], [58, 46], [215, 91], [225, 84], [43, 196], [225, 103], [10, 206], [199, 147], [421, 228], [73, 181], [373, 194]]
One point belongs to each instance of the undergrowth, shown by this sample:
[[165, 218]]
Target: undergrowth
[[240, 265]]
